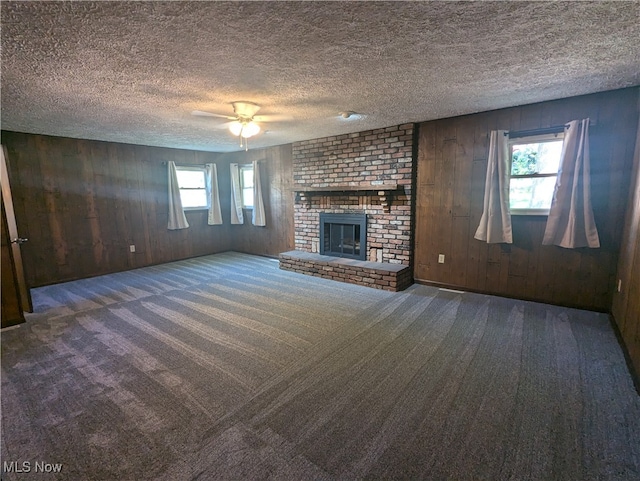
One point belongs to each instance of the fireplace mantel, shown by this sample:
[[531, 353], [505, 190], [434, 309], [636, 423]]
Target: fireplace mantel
[[344, 188], [383, 191]]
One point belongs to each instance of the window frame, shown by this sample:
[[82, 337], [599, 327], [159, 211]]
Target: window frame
[[241, 169], [531, 139], [194, 168]]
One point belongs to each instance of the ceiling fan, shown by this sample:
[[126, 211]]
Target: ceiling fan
[[244, 123]]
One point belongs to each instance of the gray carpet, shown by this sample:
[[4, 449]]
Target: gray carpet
[[225, 367]]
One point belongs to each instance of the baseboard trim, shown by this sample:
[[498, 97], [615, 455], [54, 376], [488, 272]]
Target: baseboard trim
[[454, 287]]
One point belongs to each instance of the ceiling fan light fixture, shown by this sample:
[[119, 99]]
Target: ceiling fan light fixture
[[250, 129], [244, 128], [235, 127], [242, 125]]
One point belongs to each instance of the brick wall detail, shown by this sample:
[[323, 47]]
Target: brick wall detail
[[370, 159]]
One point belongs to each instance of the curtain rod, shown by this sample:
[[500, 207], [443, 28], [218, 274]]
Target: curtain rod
[[545, 130], [164, 162]]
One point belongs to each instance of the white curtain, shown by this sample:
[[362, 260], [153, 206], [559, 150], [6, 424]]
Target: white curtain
[[236, 195], [215, 213], [258, 217], [177, 219], [495, 223], [571, 223]]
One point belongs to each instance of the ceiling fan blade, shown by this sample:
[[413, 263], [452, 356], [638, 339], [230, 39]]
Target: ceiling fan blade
[[224, 125], [202, 113], [273, 118]]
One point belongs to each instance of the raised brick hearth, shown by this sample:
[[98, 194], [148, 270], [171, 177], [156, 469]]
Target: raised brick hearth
[[390, 277], [368, 173]]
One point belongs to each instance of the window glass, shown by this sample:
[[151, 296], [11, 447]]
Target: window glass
[[246, 183], [534, 168], [192, 183], [531, 193], [190, 179]]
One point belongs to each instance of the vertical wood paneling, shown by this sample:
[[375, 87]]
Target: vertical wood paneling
[[82, 203], [444, 195], [277, 190], [626, 303], [465, 136], [526, 269], [425, 181]]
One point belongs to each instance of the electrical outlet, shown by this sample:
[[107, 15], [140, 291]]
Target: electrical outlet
[[440, 258], [132, 248], [619, 285]]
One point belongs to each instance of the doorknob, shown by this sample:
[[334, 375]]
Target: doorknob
[[19, 240]]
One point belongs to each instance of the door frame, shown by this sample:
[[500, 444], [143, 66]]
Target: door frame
[[14, 238]]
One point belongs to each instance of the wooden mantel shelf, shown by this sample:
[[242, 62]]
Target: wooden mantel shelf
[[384, 192], [346, 188]]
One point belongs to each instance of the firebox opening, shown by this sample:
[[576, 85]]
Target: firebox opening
[[343, 235]]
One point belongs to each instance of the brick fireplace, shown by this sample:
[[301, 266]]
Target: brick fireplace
[[366, 173]]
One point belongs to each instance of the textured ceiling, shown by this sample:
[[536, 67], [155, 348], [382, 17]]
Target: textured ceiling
[[133, 71]]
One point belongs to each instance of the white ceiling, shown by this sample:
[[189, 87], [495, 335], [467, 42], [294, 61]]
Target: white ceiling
[[133, 71]]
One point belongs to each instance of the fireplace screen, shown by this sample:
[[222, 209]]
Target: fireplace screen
[[343, 235]]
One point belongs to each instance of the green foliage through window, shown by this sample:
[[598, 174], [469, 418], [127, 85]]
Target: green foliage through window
[[524, 161], [534, 167]]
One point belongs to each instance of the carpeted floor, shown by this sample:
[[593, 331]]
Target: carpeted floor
[[225, 367]]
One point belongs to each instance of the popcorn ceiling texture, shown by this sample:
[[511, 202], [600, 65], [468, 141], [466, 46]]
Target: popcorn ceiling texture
[[133, 71]]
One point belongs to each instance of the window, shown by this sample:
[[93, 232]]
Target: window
[[193, 186], [535, 161], [246, 184]]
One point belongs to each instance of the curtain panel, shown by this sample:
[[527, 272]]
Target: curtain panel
[[177, 219], [571, 223], [495, 223], [215, 213], [236, 195], [258, 216]]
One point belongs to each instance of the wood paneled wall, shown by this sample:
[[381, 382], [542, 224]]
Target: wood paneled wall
[[82, 204], [452, 160], [277, 189], [626, 303]]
